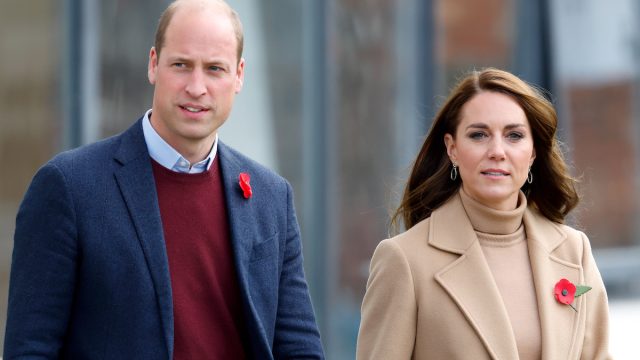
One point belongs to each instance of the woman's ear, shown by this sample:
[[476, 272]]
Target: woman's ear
[[533, 157], [450, 144]]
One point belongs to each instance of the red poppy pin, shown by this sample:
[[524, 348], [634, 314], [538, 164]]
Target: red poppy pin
[[245, 186], [565, 292]]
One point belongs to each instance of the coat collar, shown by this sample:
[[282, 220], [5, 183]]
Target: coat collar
[[469, 275], [559, 323]]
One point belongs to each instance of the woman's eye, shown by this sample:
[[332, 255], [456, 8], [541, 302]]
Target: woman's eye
[[477, 135], [515, 136]]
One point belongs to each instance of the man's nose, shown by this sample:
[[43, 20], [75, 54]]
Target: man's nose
[[196, 85]]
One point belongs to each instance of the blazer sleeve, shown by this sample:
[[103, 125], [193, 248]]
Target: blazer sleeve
[[296, 334], [43, 269], [389, 308], [596, 337]]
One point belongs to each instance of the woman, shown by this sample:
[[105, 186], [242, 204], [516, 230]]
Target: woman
[[477, 275]]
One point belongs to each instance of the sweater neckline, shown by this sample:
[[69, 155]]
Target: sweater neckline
[[178, 177], [491, 221]]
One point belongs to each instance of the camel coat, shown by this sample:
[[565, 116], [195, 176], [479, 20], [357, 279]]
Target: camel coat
[[431, 294]]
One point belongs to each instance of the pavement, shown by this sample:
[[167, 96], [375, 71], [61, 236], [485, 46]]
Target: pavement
[[624, 328]]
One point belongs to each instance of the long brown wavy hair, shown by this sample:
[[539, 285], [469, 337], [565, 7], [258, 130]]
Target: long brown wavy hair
[[552, 191]]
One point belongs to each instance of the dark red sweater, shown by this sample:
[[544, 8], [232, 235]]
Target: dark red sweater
[[207, 312]]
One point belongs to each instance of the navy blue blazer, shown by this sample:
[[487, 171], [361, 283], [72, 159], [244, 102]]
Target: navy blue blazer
[[90, 276]]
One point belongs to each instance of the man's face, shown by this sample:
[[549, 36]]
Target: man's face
[[196, 77]]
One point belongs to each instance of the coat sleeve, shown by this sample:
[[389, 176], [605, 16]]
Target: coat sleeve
[[42, 270], [389, 308], [596, 338], [296, 334]]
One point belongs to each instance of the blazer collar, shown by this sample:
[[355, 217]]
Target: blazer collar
[[469, 275], [132, 145], [138, 188], [239, 209], [137, 185], [242, 215]]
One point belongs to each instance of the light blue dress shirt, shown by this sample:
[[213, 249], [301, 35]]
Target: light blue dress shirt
[[168, 157]]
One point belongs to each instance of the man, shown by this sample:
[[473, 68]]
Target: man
[[162, 242]]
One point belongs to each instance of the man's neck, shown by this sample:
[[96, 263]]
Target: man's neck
[[193, 150]]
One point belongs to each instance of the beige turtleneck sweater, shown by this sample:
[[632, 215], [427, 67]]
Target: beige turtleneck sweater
[[503, 241]]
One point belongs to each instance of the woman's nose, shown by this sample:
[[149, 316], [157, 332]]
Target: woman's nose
[[496, 150]]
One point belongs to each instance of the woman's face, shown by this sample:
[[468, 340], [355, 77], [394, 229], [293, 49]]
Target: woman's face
[[493, 148]]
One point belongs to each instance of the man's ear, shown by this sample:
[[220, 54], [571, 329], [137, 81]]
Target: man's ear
[[240, 75], [450, 144], [152, 68]]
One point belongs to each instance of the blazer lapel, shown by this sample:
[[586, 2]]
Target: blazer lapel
[[239, 209], [559, 323], [469, 280], [242, 218], [137, 185]]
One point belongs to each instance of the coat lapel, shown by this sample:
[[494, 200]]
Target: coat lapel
[[242, 223], [559, 323], [469, 281], [137, 185], [469, 276]]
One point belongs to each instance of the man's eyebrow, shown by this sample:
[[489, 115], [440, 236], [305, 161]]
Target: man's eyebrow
[[178, 58]]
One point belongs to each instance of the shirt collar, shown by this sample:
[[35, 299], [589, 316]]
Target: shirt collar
[[167, 156]]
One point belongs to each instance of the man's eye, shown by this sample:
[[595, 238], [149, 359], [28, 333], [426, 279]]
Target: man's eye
[[178, 65]]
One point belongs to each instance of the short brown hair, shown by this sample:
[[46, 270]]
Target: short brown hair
[[553, 190], [168, 13]]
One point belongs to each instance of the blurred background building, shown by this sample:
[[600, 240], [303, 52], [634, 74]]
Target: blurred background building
[[338, 96]]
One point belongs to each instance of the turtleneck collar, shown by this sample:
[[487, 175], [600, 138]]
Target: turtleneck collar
[[491, 221]]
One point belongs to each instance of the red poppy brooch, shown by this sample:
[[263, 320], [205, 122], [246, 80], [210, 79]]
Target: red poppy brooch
[[566, 292], [245, 186]]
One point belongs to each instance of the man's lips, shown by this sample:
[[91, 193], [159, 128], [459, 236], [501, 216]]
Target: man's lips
[[193, 108]]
